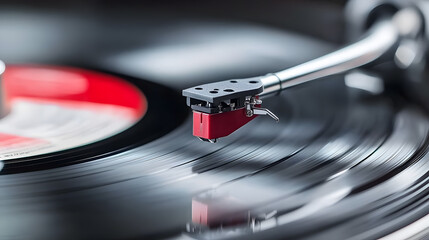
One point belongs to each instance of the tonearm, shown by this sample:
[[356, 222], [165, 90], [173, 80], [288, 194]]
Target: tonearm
[[220, 108]]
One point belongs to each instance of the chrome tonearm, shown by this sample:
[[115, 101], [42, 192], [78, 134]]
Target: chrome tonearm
[[220, 108]]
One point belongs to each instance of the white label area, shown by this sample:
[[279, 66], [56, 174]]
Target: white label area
[[36, 127]]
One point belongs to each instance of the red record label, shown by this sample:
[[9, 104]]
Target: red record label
[[57, 108]]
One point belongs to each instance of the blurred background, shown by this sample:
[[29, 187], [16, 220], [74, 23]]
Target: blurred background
[[178, 43]]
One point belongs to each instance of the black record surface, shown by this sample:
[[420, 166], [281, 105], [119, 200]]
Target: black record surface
[[337, 166], [342, 163]]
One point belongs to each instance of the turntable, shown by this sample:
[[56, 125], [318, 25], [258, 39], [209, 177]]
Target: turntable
[[308, 131]]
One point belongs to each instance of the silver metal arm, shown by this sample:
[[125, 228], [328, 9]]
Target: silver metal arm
[[381, 39], [382, 42]]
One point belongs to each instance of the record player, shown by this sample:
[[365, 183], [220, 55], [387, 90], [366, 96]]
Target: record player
[[312, 115]]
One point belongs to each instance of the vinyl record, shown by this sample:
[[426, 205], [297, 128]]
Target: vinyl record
[[98, 144]]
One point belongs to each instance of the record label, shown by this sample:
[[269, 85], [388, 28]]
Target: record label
[[55, 108]]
